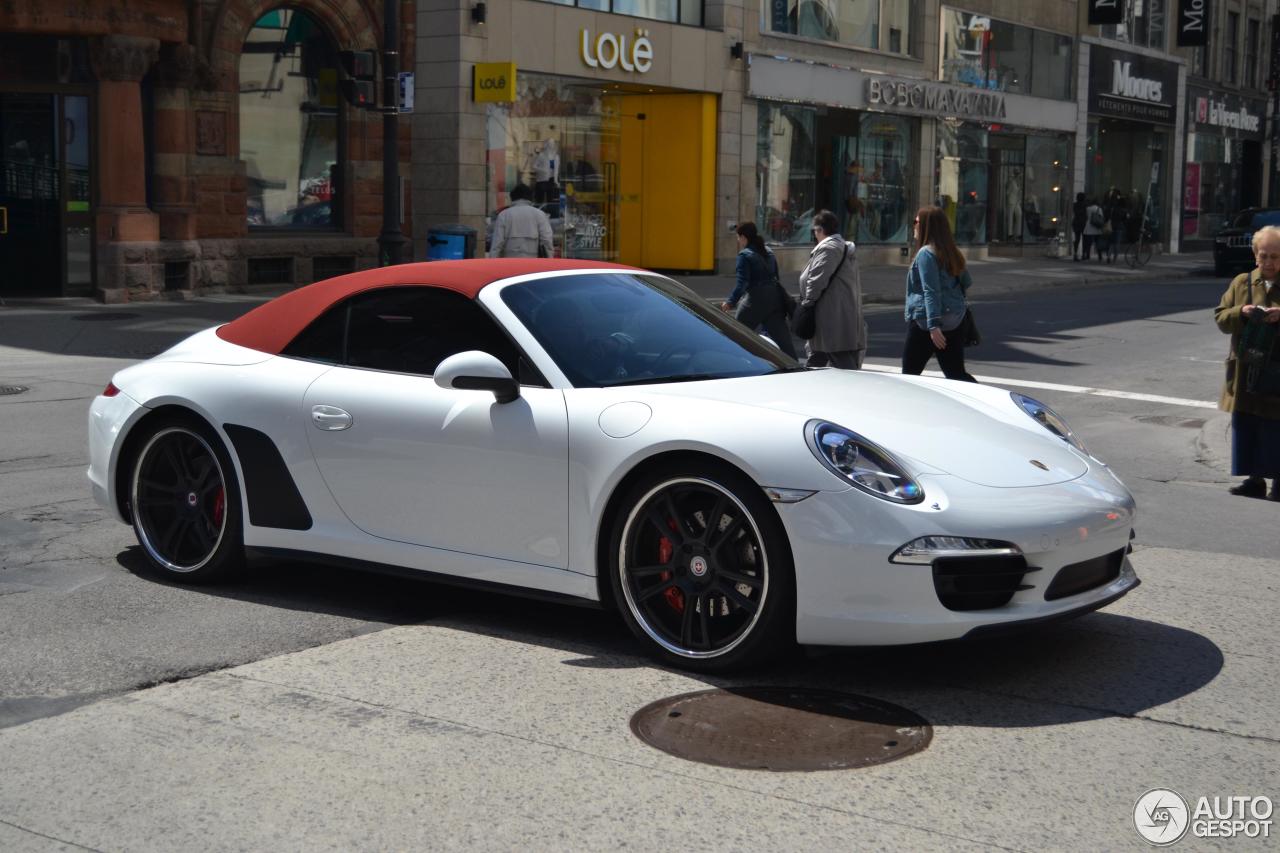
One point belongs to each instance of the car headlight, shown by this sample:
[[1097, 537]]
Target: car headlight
[[1049, 419], [859, 462]]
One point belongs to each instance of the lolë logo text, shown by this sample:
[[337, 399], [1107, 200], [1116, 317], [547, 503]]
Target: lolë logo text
[[609, 50]]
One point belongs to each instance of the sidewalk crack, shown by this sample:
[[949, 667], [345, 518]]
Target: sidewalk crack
[[49, 837]]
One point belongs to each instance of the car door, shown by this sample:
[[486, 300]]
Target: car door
[[409, 461]]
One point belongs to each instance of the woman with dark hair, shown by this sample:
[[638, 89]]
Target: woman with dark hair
[[757, 296], [936, 287], [832, 284]]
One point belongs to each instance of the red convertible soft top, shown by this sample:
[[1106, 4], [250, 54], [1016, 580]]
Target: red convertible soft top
[[270, 327]]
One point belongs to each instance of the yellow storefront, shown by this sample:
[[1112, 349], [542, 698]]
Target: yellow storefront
[[622, 162]]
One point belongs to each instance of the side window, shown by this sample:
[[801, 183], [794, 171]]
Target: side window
[[413, 329], [323, 340]]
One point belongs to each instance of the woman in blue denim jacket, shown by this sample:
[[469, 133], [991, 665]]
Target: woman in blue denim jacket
[[936, 286]]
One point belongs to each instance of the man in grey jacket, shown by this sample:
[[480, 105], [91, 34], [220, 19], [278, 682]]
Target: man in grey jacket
[[831, 279], [521, 229]]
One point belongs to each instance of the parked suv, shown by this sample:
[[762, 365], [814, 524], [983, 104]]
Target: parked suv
[[1233, 244]]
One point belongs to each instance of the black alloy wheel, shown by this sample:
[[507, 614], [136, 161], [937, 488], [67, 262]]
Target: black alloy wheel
[[701, 569], [185, 504]]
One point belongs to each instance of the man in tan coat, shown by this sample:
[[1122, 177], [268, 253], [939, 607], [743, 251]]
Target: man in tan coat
[[1255, 417], [831, 280]]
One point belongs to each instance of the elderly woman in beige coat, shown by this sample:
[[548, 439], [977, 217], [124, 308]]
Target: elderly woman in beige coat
[[1255, 418], [831, 280]]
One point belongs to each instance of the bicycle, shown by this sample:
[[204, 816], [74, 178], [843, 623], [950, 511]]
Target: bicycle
[[1138, 252]]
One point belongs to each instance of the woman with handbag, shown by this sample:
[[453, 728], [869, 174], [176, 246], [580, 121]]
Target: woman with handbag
[[758, 296], [830, 312], [936, 310], [1249, 312]]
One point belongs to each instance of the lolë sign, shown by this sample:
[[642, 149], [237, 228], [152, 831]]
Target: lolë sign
[[1193, 23], [609, 51]]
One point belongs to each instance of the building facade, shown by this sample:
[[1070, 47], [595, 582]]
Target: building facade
[[621, 116], [153, 146]]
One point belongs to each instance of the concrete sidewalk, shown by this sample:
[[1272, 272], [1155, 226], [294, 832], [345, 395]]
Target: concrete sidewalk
[[886, 283]]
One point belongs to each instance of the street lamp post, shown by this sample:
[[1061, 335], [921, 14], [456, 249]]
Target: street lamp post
[[390, 241]]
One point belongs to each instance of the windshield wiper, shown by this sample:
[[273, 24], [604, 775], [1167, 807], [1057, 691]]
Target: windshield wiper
[[663, 380]]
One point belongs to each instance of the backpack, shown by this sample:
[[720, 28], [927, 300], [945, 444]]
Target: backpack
[[1096, 219]]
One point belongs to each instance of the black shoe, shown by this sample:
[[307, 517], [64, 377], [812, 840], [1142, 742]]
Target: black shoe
[[1274, 494], [1252, 487]]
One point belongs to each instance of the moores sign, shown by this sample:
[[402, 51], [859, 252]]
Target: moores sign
[[1132, 86]]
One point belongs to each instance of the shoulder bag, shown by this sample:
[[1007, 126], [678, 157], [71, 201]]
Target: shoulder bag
[[1258, 358], [804, 323]]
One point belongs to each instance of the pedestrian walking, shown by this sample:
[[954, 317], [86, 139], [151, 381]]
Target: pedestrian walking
[[1079, 215], [832, 284], [1118, 217], [935, 303], [757, 296], [1250, 309], [521, 230], [1094, 221]]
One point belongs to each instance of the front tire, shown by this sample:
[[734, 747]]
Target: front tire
[[701, 568], [185, 504]]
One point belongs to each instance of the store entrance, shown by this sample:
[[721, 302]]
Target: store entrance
[[45, 217]]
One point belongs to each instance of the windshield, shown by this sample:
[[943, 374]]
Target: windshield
[[1266, 217], [607, 329]]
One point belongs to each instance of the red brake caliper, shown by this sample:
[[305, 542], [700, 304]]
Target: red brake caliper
[[674, 597], [219, 506]]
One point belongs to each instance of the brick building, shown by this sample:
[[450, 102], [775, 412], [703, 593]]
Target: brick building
[[155, 145]]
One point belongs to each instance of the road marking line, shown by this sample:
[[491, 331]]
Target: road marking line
[[1070, 389]]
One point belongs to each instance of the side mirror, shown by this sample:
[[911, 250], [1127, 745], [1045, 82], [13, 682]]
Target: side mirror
[[477, 371]]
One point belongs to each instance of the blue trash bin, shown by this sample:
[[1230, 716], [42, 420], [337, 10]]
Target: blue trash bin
[[450, 242]]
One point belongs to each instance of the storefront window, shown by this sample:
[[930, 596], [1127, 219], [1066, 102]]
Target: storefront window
[[1143, 24], [877, 24], [857, 165], [785, 176], [1129, 160], [989, 54], [677, 11], [1048, 188], [555, 139], [290, 123], [962, 180]]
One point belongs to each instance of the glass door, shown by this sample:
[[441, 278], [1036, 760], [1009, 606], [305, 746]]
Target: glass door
[[46, 220], [30, 195]]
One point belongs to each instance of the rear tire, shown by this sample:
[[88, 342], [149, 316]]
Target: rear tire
[[185, 503], [701, 568]]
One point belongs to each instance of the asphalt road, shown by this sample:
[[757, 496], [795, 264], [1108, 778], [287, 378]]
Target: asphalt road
[[1044, 742]]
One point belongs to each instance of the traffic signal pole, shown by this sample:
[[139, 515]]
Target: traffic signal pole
[[391, 241]]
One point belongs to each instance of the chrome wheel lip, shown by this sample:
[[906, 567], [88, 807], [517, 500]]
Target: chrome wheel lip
[[144, 536], [692, 654]]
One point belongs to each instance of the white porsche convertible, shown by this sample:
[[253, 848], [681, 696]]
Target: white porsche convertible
[[600, 434]]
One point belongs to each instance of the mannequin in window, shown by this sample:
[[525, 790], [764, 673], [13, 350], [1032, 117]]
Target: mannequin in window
[[546, 171], [1013, 205]]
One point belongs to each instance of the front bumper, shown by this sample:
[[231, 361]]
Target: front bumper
[[848, 593]]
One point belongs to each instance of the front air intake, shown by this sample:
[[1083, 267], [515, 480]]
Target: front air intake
[[978, 583]]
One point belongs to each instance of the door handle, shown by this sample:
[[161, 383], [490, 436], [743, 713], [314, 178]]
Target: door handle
[[4, 220], [330, 418]]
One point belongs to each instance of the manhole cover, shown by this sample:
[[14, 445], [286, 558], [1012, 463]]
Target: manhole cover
[[7, 390], [105, 316], [780, 728]]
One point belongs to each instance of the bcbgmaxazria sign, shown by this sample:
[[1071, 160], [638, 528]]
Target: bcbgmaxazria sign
[[919, 96]]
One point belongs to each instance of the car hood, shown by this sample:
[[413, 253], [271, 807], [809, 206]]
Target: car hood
[[972, 432]]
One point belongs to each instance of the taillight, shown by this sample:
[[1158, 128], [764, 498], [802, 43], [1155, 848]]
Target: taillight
[[111, 390]]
